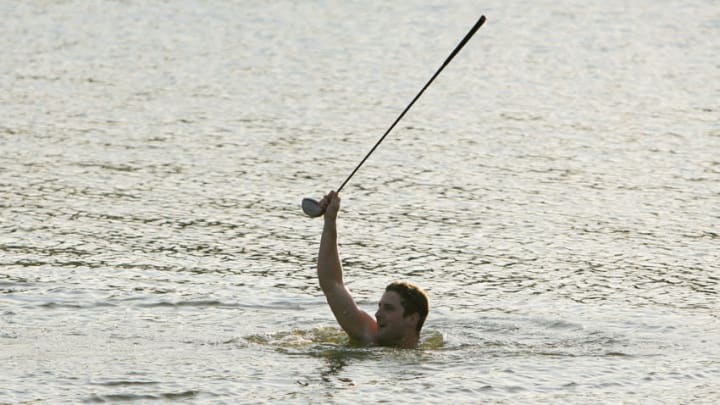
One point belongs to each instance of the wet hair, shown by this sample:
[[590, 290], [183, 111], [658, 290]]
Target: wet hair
[[412, 298]]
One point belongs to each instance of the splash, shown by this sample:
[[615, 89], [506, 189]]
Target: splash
[[329, 335], [298, 338], [432, 340]]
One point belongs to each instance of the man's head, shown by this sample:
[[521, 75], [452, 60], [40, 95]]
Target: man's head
[[401, 314], [413, 300]]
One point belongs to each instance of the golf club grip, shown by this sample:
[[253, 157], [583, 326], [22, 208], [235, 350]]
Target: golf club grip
[[457, 49], [462, 43]]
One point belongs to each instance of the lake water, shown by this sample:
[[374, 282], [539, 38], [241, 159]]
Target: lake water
[[556, 191]]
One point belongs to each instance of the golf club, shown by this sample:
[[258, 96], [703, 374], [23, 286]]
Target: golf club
[[310, 206]]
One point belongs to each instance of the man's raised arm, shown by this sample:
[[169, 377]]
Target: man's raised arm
[[356, 323]]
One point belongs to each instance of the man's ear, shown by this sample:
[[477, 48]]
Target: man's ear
[[414, 318]]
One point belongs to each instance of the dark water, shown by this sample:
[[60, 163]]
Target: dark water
[[556, 191]]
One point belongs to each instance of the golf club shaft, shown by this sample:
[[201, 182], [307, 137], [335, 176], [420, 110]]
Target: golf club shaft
[[457, 49]]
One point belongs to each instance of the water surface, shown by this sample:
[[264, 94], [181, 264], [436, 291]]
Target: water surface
[[555, 191]]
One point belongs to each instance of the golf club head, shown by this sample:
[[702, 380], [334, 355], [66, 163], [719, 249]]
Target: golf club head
[[311, 208]]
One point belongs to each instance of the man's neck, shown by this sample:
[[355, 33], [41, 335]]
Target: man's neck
[[409, 341]]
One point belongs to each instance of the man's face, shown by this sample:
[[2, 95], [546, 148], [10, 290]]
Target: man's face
[[392, 326]]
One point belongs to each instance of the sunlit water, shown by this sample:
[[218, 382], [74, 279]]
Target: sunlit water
[[556, 191]]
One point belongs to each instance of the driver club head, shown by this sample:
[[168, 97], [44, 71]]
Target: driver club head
[[311, 208]]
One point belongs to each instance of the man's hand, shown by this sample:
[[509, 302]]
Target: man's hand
[[330, 204]]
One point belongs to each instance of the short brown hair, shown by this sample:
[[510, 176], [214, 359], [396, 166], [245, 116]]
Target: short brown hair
[[413, 300]]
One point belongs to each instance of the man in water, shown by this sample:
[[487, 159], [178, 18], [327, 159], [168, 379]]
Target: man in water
[[402, 309]]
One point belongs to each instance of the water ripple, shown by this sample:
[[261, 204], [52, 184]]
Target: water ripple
[[555, 192]]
